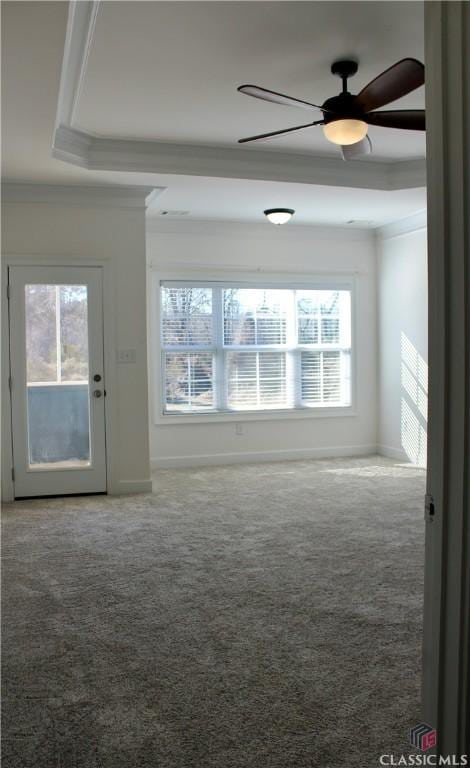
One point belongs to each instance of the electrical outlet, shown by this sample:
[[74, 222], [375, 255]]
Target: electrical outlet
[[126, 356], [239, 429]]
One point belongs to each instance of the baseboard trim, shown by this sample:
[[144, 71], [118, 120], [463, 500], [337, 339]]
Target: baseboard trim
[[393, 453], [124, 487], [212, 459]]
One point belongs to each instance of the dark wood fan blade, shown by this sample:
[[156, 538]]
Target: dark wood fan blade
[[398, 80], [272, 134], [359, 149], [408, 119], [277, 98]]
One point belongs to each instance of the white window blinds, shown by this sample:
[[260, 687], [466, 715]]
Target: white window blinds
[[227, 348]]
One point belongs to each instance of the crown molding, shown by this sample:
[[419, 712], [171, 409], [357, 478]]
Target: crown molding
[[213, 228], [81, 23], [97, 196], [235, 163], [71, 146], [76, 146], [95, 153], [403, 226], [407, 174]]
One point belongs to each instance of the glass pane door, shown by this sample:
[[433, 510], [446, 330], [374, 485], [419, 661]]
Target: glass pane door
[[57, 372]]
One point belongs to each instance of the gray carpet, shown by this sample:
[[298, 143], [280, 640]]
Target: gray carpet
[[263, 615]]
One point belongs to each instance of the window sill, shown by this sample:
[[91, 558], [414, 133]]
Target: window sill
[[335, 412]]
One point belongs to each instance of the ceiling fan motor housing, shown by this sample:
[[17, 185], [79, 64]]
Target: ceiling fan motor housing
[[342, 107]]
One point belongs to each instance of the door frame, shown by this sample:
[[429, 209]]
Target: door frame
[[52, 479], [446, 637], [110, 370]]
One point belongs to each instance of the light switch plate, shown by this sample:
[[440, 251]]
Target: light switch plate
[[126, 356]]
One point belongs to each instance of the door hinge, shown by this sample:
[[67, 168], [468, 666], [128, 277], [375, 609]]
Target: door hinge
[[429, 507], [13, 474], [8, 291], [10, 383]]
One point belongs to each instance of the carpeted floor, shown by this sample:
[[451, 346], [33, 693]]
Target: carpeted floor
[[261, 615]]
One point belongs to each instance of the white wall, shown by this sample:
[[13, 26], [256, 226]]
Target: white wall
[[217, 250], [80, 232], [403, 356]]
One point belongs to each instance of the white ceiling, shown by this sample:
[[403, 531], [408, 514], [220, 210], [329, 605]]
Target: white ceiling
[[169, 71], [245, 200]]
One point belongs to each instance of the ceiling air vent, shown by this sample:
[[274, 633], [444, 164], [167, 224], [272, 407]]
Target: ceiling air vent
[[173, 213]]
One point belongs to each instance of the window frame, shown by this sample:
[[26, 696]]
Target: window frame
[[343, 281]]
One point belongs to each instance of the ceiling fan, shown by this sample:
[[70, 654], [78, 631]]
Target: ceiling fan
[[346, 117]]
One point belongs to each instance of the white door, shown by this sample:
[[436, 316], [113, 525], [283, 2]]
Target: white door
[[57, 380]]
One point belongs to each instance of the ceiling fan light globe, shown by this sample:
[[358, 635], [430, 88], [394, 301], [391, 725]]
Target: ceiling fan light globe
[[345, 132], [279, 215]]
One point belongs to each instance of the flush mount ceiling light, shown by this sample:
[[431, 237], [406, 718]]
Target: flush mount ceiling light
[[279, 215]]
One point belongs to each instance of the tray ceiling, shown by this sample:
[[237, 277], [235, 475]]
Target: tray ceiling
[[142, 77], [168, 71]]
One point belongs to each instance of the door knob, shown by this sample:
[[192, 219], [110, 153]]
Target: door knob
[[97, 393]]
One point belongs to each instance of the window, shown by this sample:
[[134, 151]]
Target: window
[[56, 334], [231, 348]]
